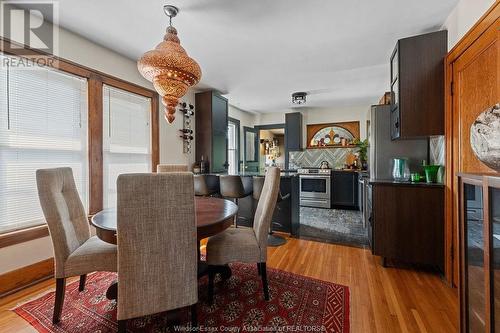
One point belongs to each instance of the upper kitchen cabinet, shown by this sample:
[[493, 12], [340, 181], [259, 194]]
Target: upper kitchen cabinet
[[211, 130], [417, 86], [293, 133]]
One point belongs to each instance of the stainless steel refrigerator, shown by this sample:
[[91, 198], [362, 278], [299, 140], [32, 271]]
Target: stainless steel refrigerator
[[382, 149]]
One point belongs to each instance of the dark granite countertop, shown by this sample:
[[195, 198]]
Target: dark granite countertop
[[395, 183], [258, 174]]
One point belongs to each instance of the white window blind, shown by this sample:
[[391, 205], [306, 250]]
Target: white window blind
[[126, 138], [232, 150], [43, 125]]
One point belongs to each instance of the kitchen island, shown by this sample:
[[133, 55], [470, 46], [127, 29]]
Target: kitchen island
[[286, 213]]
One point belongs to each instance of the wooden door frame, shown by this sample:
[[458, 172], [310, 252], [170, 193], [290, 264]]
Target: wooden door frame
[[451, 250]]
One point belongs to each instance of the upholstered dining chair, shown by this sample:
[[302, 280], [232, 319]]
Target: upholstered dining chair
[[157, 245], [171, 168], [247, 245], [76, 253]]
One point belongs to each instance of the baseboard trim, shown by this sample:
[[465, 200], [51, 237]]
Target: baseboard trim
[[23, 277]]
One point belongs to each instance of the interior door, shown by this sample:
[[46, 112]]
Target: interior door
[[251, 149], [476, 87]]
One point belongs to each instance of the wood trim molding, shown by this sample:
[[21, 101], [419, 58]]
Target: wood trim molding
[[21, 278], [477, 30], [155, 132], [24, 235], [95, 137], [452, 236]]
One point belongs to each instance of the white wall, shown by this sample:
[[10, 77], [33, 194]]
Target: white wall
[[82, 51], [465, 14]]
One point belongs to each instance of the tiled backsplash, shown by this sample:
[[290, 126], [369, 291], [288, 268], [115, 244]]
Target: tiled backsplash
[[335, 157], [437, 150]]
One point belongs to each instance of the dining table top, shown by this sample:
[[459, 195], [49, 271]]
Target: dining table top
[[213, 215]]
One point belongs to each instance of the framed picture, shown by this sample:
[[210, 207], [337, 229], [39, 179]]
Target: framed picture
[[332, 135]]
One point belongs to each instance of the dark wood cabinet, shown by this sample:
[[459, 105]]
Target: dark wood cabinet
[[479, 237], [211, 130], [345, 189], [407, 222], [293, 133], [417, 86]]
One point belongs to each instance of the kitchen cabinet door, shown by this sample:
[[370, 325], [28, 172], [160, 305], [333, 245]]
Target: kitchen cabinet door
[[219, 134], [345, 189]]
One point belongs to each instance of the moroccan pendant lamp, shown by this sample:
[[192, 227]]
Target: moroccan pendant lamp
[[169, 68]]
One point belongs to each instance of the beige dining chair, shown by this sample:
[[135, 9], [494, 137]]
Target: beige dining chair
[[171, 168], [247, 245], [157, 245], [76, 253]]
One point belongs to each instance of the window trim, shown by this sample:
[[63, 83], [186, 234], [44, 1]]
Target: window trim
[[95, 82], [238, 142]]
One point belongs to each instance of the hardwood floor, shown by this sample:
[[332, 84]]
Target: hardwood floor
[[382, 299]]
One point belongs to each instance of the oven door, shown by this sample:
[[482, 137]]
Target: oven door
[[315, 191], [315, 186]]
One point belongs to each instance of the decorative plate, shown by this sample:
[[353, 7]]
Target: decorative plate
[[485, 137]]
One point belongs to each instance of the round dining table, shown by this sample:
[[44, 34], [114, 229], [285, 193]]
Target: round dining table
[[213, 215]]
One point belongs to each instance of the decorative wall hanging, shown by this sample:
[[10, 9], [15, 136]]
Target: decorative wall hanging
[[169, 68], [485, 137], [186, 131], [332, 135]]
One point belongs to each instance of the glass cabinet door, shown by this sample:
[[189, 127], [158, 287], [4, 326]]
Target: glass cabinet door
[[474, 257], [494, 218]]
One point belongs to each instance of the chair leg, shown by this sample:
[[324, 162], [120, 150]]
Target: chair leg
[[211, 277], [263, 272], [258, 269], [59, 301], [81, 286], [236, 216], [122, 326], [194, 316]]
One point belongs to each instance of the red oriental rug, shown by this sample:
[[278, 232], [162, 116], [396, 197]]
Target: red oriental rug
[[297, 304]]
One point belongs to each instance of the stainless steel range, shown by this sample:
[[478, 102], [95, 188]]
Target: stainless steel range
[[315, 187]]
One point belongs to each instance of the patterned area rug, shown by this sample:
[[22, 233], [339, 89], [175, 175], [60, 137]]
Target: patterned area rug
[[297, 304]]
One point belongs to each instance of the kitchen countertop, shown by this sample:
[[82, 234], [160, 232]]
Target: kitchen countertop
[[257, 174], [396, 183]]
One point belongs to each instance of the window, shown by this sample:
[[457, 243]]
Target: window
[[43, 125], [233, 143], [126, 138]]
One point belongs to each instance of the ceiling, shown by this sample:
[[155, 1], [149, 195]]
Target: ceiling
[[258, 52]]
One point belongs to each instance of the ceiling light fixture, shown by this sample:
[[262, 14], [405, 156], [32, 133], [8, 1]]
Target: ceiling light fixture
[[299, 98], [169, 68]]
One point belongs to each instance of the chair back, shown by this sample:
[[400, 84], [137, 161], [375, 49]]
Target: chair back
[[157, 243], [265, 208], [64, 213], [171, 168]]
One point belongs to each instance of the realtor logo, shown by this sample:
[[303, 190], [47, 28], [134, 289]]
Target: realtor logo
[[29, 24]]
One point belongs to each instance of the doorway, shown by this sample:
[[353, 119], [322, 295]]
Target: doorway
[[272, 150]]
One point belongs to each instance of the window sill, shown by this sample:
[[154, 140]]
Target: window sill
[[23, 235]]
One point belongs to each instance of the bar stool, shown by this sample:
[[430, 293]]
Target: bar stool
[[206, 185], [235, 188], [258, 184]]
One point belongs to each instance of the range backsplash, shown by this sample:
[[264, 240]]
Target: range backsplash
[[311, 158], [437, 150]]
